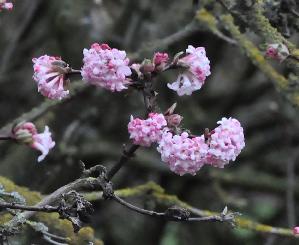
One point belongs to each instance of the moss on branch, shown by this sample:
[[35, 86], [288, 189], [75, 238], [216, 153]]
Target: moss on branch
[[281, 83], [56, 225], [158, 194]]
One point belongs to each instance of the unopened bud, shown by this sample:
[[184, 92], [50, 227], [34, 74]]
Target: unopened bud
[[170, 110], [160, 60], [174, 120], [23, 132], [277, 51], [296, 230], [147, 66]]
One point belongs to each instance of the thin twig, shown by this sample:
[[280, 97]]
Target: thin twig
[[164, 43], [4, 137], [51, 241], [166, 216], [126, 155], [60, 238], [290, 190], [74, 71], [79, 184], [23, 27], [47, 209]]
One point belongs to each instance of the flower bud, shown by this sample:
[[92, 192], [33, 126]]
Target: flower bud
[[136, 67], [26, 133], [147, 66], [174, 120], [296, 230], [160, 60], [277, 51], [23, 132]]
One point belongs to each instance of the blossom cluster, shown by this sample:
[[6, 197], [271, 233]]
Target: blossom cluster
[[26, 133], [146, 132], [197, 68], [181, 153], [106, 67], [50, 76], [225, 143], [187, 154], [109, 68], [5, 5]]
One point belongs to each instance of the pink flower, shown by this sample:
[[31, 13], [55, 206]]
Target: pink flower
[[225, 143], [181, 153], [43, 142], [160, 58], [272, 52], [277, 51], [197, 68], [146, 132], [26, 133], [5, 5], [136, 67], [296, 230], [106, 67], [50, 76]]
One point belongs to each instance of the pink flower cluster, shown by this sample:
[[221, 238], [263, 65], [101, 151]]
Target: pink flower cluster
[[187, 155], [181, 153], [197, 68], [50, 76], [146, 132], [225, 143], [106, 67], [109, 68], [5, 5], [26, 133]]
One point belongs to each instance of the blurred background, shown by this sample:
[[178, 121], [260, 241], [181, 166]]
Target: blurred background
[[92, 125]]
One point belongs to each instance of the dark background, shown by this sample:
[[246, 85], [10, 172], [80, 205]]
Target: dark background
[[91, 126]]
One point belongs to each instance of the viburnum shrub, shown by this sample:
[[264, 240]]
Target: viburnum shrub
[[110, 69], [181, 150]]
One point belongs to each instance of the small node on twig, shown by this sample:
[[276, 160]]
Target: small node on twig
[[94, 171], [107, 187], [229, 217], [177, 213], [74, 208], [82, 166]]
